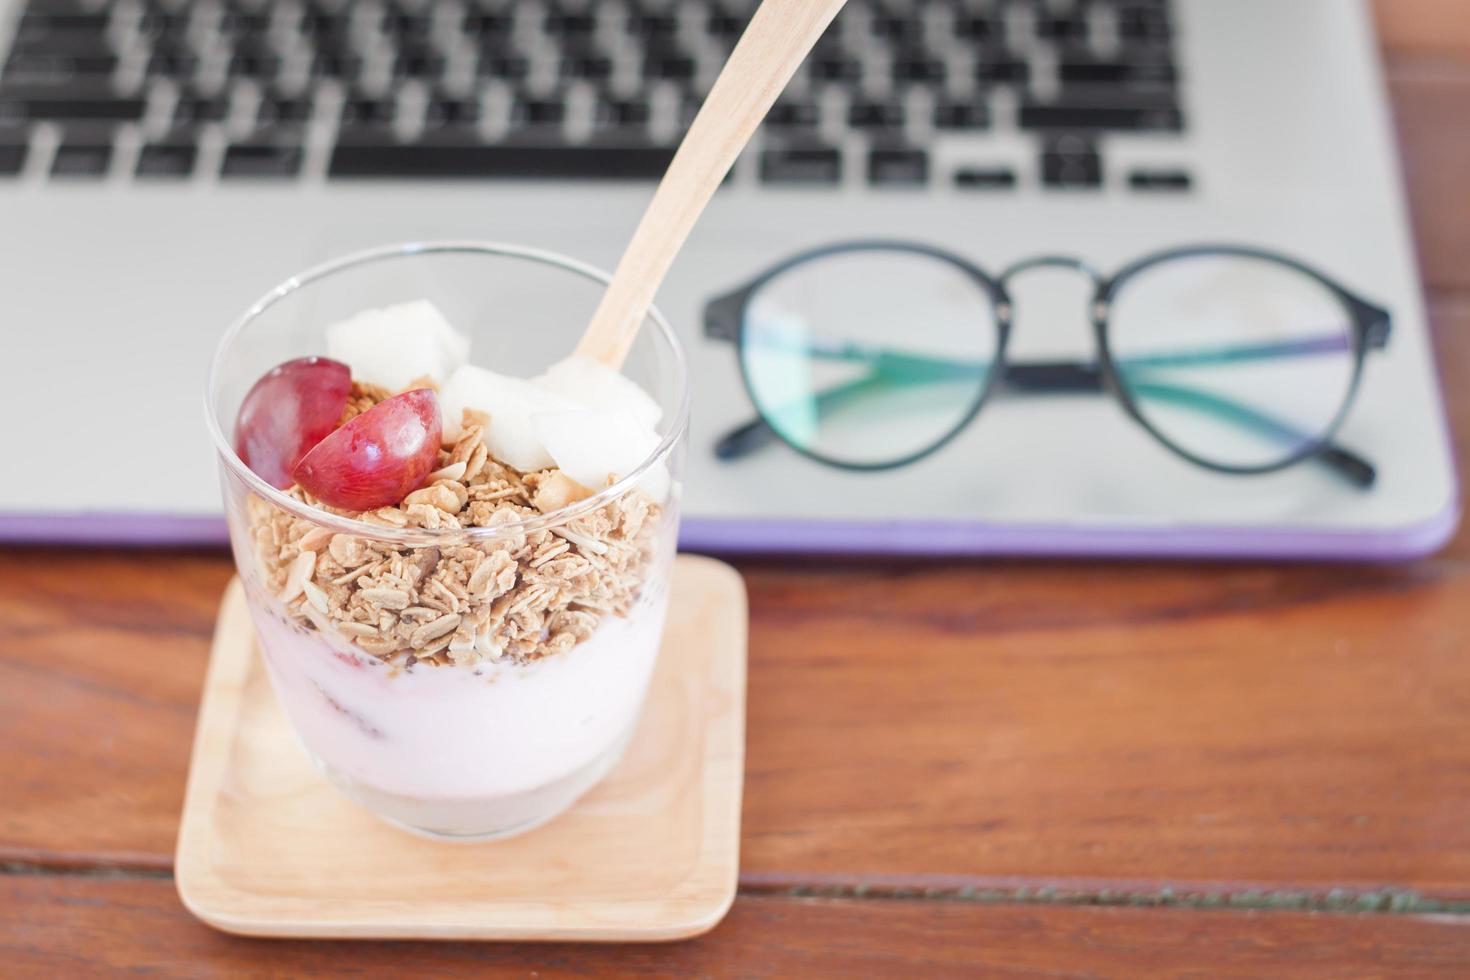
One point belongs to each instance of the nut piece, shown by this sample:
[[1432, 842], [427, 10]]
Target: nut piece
[[296, 578], [557, 490]]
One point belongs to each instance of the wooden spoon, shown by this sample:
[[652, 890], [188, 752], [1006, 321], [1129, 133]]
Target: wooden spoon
[[780, 35]]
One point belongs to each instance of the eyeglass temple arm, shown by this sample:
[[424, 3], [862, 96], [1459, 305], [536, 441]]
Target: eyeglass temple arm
[[894, 367]]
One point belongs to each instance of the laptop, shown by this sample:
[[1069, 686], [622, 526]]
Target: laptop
[[165, 162]]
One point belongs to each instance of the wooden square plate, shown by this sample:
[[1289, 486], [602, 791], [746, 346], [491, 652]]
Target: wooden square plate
[[268, 848]]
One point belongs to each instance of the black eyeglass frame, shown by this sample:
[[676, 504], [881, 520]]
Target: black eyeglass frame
[[1371, 325]]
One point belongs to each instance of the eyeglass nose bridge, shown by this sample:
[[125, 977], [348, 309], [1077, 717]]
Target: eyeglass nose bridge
[[1053, 262]]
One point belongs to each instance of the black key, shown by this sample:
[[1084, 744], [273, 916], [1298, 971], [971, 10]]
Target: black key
[[12, 157], [622, 112], [724, 24], [428, 160], [482, 23], [87, 156], [993, 67], [801, 165], [91, 101], [360, 109], [44, 22], [653, 24], [794, 114], [1160, 180], [538, 112], [335, 65], [172, 61], [1143, 23], [278, 108], [898, 166], [869, 114], [324, 23], [567, 23], [898, 26], [254, 63], [918, 68], [196, 108], [985, 178], [75, 43], [1071, 161], [417, 62], [447, 110], [961, 114], [1074, 70], [167, 159], [262, 160], [407, 23], [586, 62], [47, 69], [503, 64], [158, 23], [836, 68], [1074, 113], [668, 63], [990, 30], [1067, 28]]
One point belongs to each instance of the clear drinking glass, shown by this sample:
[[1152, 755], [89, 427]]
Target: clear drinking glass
[[470, 740]]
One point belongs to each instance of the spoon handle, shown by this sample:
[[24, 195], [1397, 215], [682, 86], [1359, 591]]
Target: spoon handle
[[780, 35]]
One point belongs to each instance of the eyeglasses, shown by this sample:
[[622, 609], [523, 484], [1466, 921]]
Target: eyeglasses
[[872, 355]]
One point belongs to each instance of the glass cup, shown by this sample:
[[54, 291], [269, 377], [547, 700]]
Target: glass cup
[[463, 682]]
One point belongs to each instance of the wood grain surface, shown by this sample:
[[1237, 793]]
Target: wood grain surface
[[79, 927], [1021, 751]]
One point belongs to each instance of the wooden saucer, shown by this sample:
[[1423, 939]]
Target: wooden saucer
[[268, 848]]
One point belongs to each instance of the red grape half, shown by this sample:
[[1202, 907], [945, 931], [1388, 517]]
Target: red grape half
[[287, 412], [377, 458]]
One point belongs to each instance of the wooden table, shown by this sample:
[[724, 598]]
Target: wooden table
[[1004, 767]]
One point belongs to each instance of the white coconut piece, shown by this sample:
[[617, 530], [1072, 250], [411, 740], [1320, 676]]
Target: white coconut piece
[[593, 446], [598, 386], [510, 403], [395, 345]]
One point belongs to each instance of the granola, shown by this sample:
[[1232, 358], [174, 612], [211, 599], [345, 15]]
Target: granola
[[520, 596]]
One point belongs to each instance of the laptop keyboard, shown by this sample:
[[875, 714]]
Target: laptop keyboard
[[434, 89]]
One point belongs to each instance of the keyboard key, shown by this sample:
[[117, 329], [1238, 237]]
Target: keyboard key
[[80, 102], [794, 114], [918, 68], [446, 110], [985, 178], [417, 58], [1076, 113], [586, 62], [88, 156], [262, 160], [653, 24], [326, 64], [869, 114], [254, 63], [724, 24], [368, 110], [12, 158], [429, 160], [802, 165], [1063, 28], [668, 63], [997, 67], [1160, 180], [41, 69], [38, 23], [484, 23], [961, 114], [76, 43], [898, 27], [836, 68], [987, 29], [194, 108], [1070, 162], [898, 166], [398, 22], [1092, 71], [1143, 23], [503, 65], [276, 108], [570, 23], [172, 61], [173, 159], [529, 111], [622, 112]]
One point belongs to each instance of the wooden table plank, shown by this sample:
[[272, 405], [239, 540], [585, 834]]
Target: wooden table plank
[[80, 926], [1294, 726], [1431, 100]]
